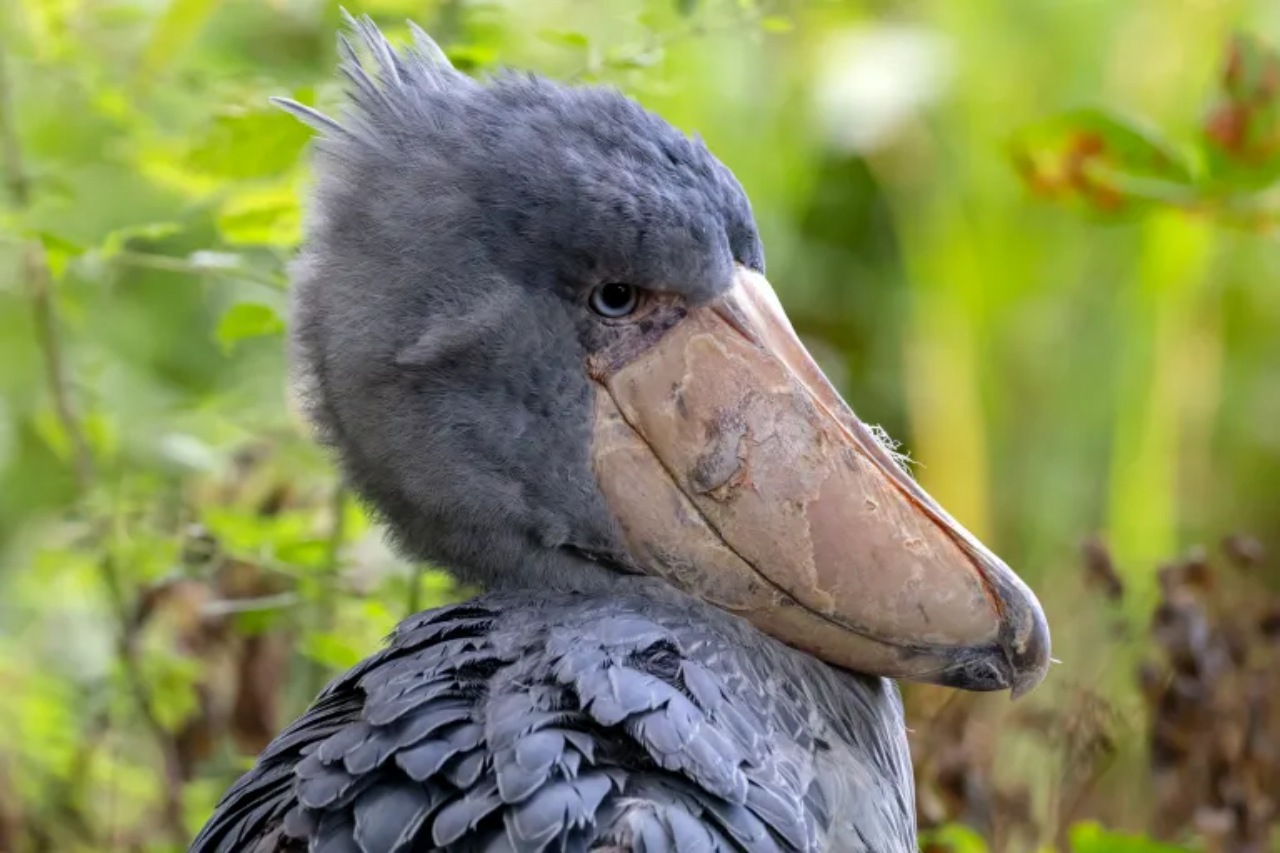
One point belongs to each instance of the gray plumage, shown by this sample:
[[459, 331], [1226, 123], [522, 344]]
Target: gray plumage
[[440, 330], [640, 720]]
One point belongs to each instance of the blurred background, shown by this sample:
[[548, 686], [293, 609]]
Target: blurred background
[[1093, 387]]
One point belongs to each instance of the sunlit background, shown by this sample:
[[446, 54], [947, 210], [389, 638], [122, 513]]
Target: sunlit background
[[180, 571]]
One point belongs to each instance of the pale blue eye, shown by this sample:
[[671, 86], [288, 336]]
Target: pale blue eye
[[614, 300]]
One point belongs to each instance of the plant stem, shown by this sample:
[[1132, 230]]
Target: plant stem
[[39, 281], [10, 816], [127, 650], [44, 310], [15, 174], [166, 263], [318, 674], [413, 601]]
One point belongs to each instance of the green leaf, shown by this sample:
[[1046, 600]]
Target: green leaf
[[171, 680], [118, 240], [777, 24], [686, 7], [333, 650], [565, 39], [471, 57], [312, 553], [1108, 164], [58, 253], [1089, 837], [954, 838], [247, 320], [177, 28], [243, 143], [264, 216], [188, 451]]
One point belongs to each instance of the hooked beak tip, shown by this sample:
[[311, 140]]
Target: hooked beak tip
[[1024, 684], [1018, 659], [1026, 678], [1024, 637]]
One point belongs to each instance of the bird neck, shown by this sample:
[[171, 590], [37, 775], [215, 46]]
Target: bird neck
[[541, 570]]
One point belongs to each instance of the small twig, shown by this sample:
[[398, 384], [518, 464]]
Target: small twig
[[10, 815], [16, 174], [229, 606], [167, 263], [40, 288], [337, 530], [413, 601]]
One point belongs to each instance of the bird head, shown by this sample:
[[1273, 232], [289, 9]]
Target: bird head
[[533, 321]]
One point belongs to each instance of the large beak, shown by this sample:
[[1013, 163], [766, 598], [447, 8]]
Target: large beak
[[738, 473]]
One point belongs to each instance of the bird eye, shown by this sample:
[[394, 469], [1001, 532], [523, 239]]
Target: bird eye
[[614, 300]]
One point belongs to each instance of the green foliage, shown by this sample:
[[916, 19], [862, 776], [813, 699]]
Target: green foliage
[[262, 216], [170, 535], [174, 32], [954, 838], [1091, 838], [247, 320], [1241, 133], [1111, 166], [1085, 837], [245, 142]]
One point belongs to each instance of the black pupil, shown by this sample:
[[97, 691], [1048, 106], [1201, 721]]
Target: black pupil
[[616, 298]]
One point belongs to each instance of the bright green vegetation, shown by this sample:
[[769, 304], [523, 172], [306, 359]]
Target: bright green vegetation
[[179, 571]]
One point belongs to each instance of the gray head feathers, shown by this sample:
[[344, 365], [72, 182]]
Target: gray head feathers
[[425, 68], [440, 327]]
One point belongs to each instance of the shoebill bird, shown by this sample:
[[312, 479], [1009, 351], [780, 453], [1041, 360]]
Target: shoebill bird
[[532, 321]]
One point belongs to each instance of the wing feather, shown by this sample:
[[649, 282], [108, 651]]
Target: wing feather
[[561, 723]]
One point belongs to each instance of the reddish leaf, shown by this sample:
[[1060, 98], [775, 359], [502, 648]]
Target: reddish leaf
[[1107, 164], [1251, 71], [1241, 130]]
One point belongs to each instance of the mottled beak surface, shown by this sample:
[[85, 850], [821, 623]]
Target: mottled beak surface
[[738, 474]]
